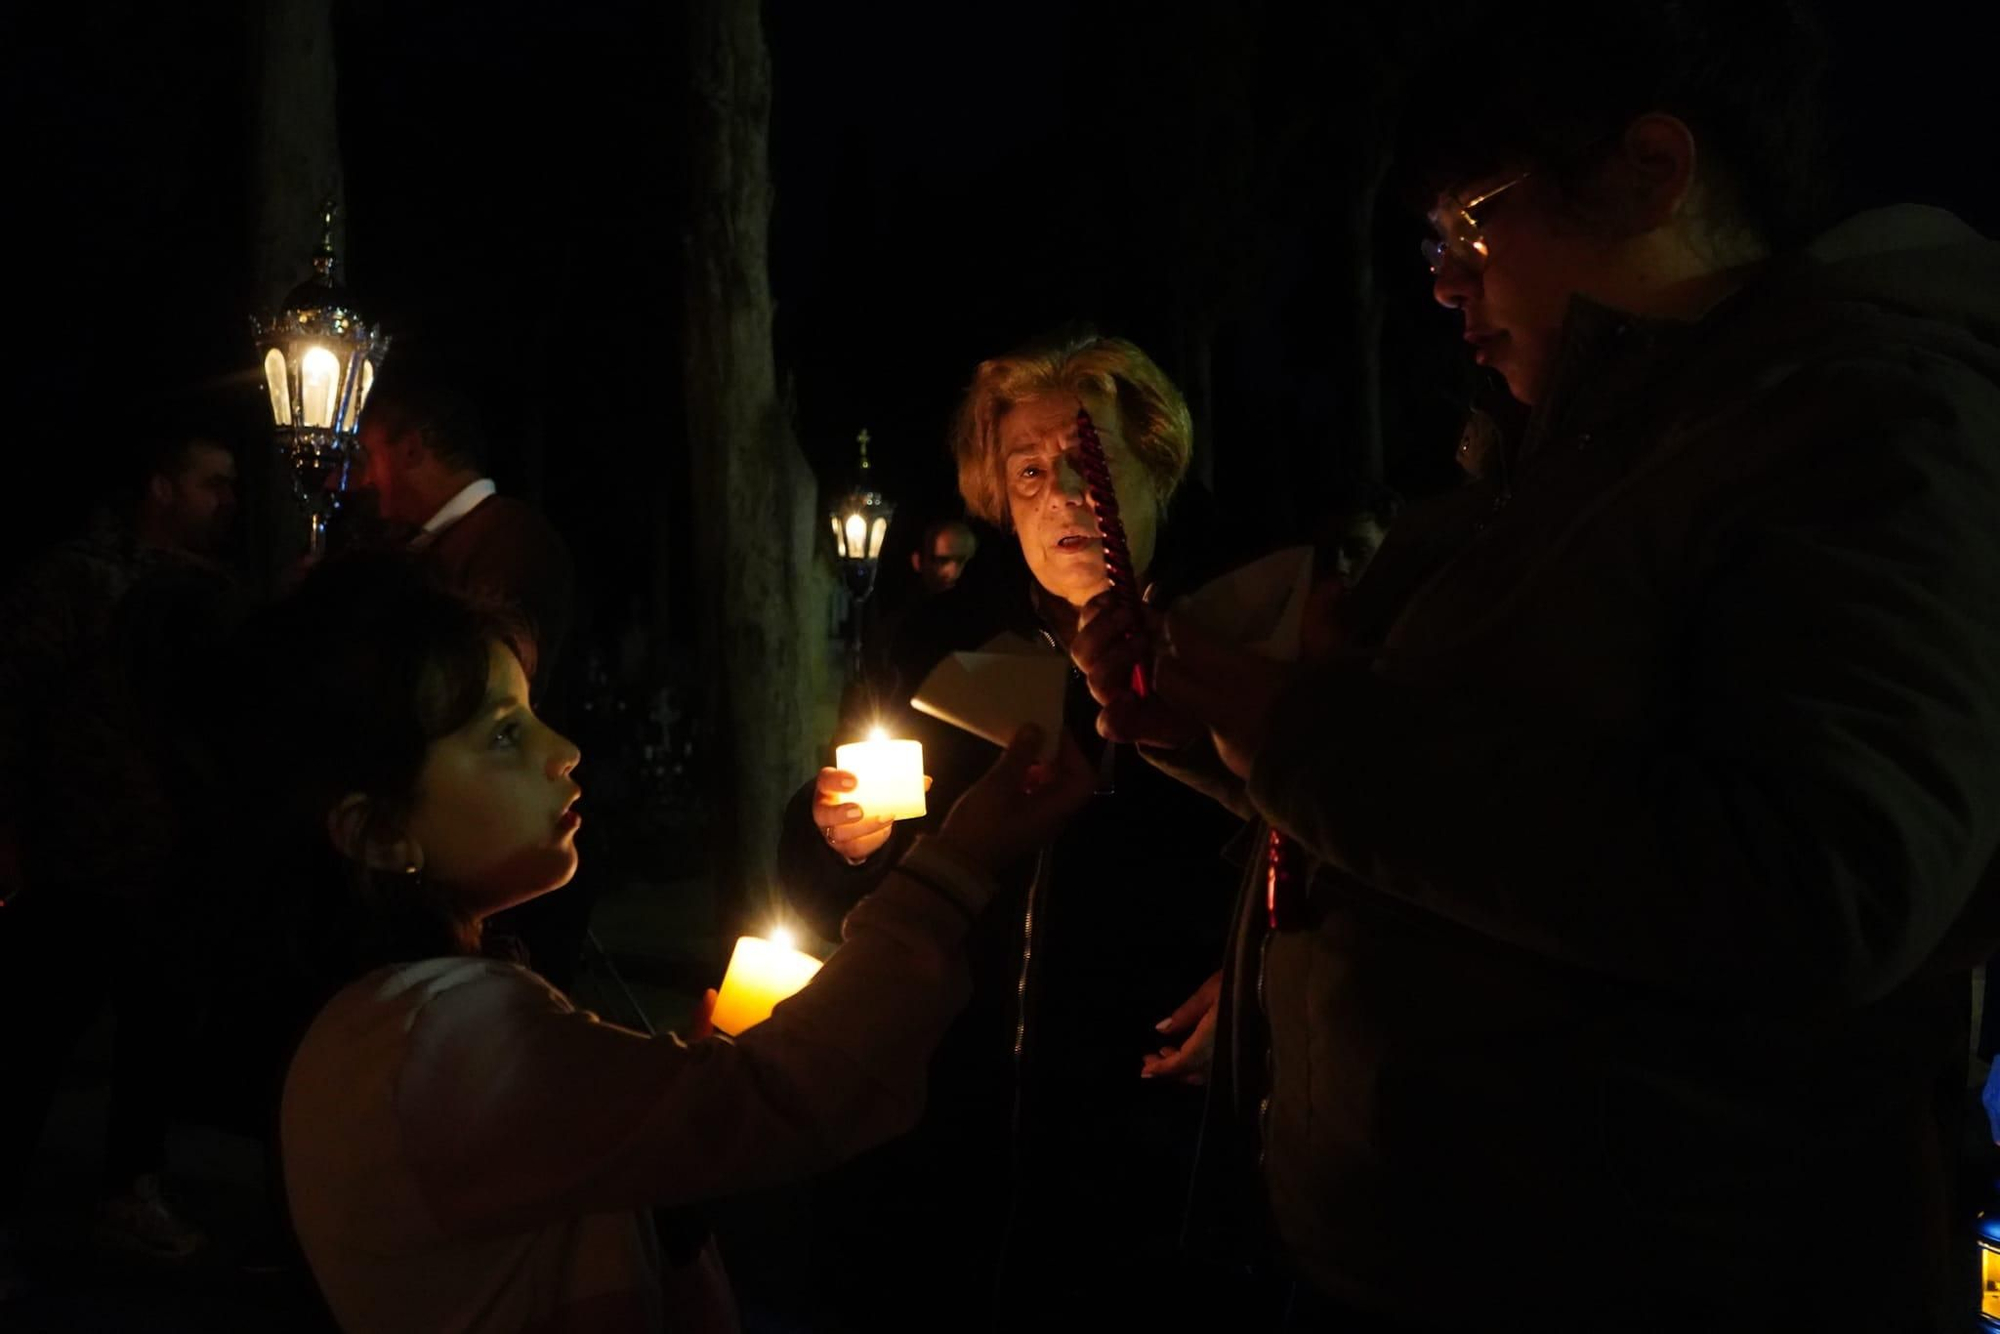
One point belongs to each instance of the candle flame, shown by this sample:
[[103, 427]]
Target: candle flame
[[783, 938], [876, 733]]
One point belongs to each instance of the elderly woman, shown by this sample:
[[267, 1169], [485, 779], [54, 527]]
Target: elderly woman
[[1060, 1171]]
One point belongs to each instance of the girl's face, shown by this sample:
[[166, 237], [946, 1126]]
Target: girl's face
[[493, 818]]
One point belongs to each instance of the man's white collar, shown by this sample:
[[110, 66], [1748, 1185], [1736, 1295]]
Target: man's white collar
[[459, 506]]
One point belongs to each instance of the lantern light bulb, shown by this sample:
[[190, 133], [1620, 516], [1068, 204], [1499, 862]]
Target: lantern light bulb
[[857, 536], [319, 381]]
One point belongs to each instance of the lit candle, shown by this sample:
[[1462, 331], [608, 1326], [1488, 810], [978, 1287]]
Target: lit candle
[[888, 776], [761, 973]]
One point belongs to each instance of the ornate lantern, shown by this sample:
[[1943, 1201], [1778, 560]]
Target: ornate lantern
[[860, 521], [320, 360]]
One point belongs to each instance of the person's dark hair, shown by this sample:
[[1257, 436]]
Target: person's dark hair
[[343, 687], [936, 528], [445, 419], [158, 448], [1551, 86], [1377, 501]]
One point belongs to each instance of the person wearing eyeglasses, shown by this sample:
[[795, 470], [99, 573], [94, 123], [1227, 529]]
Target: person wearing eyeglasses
[[1609, 968]]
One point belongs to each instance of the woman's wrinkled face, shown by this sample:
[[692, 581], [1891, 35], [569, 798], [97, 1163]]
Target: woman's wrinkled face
[[493, 818], [1050, 505]]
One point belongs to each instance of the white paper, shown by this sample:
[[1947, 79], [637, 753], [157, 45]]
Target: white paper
[[1259, 606], [991, 691]]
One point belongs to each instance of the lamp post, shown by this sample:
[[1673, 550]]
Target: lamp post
[[320, 360], [860, 519]]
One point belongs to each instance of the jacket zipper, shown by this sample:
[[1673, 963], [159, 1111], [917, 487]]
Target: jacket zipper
[[1027, 961]]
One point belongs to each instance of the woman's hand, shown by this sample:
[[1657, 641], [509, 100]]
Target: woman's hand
[[1019, 804], [1111, 640], [1189, 1063], [844, 825]]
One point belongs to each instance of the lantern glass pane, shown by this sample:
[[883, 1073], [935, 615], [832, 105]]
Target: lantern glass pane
[[839, 540], [319, 386], [875, 532], [360, 399], [857, 537], [279, 386]]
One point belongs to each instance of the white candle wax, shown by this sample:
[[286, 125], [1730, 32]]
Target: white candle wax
[[761, 973], [889, 776]]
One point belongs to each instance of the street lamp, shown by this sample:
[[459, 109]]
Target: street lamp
[[319, 360], [860, 520]]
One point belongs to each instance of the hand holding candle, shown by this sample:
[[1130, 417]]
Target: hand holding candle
[[761, 973], [889, 776], [854, 830]]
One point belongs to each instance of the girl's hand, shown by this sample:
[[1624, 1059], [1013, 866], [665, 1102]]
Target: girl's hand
[[702, 1023], [1018, 805]]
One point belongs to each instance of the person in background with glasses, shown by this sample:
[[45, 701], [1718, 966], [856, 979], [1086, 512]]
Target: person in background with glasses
[[1646, 821]]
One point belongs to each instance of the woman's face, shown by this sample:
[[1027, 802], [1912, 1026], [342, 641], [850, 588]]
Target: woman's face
[[1050, 505], [493, 819]]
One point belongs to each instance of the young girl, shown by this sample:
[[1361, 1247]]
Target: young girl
[[462, 1148]]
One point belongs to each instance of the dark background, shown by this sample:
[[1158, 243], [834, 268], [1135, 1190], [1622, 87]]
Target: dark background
[[948, 181], [949, 178]]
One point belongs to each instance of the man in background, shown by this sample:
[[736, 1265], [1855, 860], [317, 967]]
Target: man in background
[[946, 548], [426, 464], [103, 646]]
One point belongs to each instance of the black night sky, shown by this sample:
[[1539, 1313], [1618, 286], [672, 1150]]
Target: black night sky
[[947, 183]]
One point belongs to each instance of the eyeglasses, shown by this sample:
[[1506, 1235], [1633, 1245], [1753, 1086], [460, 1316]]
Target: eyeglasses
[[1459, 237]]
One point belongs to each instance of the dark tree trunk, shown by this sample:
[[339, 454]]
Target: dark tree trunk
[[762, 587]]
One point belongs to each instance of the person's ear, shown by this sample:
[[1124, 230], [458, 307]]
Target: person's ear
[[1657, 165], [349, 825]]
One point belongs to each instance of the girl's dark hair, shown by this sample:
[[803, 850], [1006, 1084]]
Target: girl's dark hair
[[1552, 84], [343, 687]]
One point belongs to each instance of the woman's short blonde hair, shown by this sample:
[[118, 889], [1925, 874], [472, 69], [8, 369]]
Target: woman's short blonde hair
[[1152, 414]]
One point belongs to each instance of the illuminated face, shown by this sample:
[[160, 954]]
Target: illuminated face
[[1049, 504], [1535, 260], [493, 816], [385, 471]]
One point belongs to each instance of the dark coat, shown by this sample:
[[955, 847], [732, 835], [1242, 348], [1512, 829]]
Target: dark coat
[[505, 550], [1122, 917], [1657, 817]]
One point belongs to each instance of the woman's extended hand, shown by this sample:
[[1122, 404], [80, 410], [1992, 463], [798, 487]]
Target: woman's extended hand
[[1111, 640], [1019, 804], [844, 825], [1189, 1062]]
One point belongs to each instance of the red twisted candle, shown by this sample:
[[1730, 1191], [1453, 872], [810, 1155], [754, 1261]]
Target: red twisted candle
[[1096, 472]]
